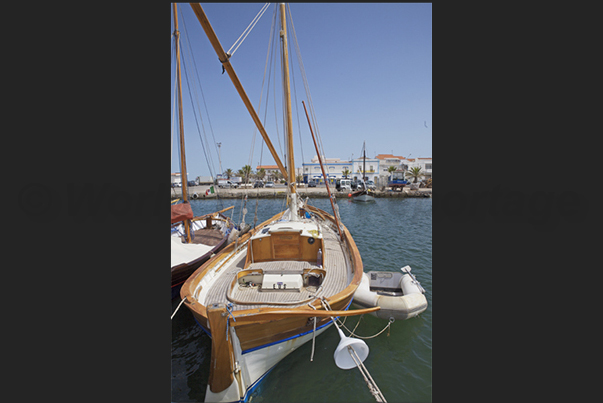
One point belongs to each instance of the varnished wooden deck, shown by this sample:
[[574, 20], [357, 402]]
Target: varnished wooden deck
[[337, 278]]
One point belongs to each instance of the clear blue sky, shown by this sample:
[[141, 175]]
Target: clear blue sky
[[368, 67]]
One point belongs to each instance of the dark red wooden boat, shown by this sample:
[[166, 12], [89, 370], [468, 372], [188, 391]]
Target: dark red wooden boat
[[210, 233]]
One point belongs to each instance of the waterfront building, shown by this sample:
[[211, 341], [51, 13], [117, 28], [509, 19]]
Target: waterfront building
[[377, 169], [334, 168], [372, 168], [424, 164], [402, 164], [386, 161], [270, 170], [176, 178]]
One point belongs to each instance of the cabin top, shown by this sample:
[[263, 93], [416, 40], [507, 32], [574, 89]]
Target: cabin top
[[303, 228], [286, 240]]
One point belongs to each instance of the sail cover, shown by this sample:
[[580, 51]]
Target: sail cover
[[181, 211]]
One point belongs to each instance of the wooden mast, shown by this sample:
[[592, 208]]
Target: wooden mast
[[223, 57], [290, 155], [183, 176]]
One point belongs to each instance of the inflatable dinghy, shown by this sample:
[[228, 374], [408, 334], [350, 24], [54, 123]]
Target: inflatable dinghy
[[399, 294]]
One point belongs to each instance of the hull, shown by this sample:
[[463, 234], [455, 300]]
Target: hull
[[363, 198], [260, 334], [209, 240], [257, 364]]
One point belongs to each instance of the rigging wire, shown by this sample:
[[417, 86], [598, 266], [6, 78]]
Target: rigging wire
[[196, 70], [203, 137], [191, 57], [305, 82], [247, 30]]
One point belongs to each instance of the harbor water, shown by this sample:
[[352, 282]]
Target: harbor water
[[390, 234]]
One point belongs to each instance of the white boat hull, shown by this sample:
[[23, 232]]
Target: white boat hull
[[255, 365]]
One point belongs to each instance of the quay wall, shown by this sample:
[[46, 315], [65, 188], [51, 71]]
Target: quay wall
[[280, 191]]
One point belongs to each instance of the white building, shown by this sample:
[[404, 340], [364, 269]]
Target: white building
[[334, 168], [402, 164], [377, 169], [176, 178], [372, 168], [424, 164]]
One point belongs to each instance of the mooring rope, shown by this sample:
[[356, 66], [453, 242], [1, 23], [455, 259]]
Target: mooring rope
[[391, 320], [372, 385], [177, 308]]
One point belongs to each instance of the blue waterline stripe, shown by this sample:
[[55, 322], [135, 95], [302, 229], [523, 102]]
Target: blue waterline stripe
[[254, 385], [293, 337], [280, 341]]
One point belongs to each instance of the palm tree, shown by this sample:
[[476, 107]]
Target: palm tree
[[245, 172], [391, 170], [278, 175], [228, 173], [345, 173], [260, 174], [415, 172]]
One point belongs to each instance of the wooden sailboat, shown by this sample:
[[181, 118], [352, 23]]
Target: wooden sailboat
[[278, 285], [365, 194], [194, 239]]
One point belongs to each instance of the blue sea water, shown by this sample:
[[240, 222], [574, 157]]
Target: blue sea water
[[390, 234]]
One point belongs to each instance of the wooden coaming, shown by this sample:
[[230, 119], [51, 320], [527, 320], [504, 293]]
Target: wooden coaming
[[283, 246]]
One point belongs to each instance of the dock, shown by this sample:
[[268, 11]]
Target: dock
[[280, 192]]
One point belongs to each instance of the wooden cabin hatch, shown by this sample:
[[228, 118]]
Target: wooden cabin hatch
[[284, 245]]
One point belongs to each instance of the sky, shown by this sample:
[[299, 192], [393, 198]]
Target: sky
[[368, 69]]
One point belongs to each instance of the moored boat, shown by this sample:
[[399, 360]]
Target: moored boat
[[277, 286], [194, 239], [398, 294], [364, 194], [210, 233]]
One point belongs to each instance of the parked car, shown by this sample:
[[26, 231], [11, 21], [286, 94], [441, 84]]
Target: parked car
[[343, 185], [269, 184], [371, 185], [258, 184], [311, 184], [227, 184]]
